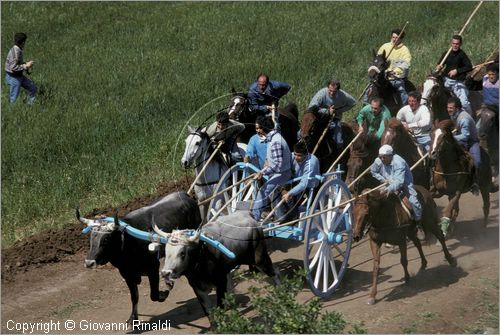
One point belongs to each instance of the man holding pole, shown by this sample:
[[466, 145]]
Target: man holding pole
[[393, 169], [399, 58], [454, 65], [333, 102], [278, 167]]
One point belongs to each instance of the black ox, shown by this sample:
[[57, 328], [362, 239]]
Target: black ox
[[131, 256]]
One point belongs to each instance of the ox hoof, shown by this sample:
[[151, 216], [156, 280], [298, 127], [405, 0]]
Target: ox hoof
[[163, 295], [371, 301]]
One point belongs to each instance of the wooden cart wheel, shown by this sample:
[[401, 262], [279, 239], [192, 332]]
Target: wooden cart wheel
[[238, 197], [328, 238]]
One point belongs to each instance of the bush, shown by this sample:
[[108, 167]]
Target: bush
[[277, 311]]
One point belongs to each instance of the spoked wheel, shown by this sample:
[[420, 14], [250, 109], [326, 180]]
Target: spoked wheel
[[328, 238], [239, 196]]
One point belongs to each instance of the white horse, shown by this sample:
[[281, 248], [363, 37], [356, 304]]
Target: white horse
[[196, 153]]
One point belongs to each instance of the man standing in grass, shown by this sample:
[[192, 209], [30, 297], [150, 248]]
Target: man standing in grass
[[374, 115], [263, 93], [14, 69]]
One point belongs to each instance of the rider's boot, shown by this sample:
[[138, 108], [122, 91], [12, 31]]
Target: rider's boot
[[475, 186]]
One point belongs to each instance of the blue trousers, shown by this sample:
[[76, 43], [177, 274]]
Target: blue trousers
[[425, 142], [262, 200], [460, 91], [475, 152], [336, 132], [399, 85], [15, 84]]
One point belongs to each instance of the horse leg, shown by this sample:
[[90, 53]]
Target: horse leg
[[413, 237], [485, 194], [375, 247], [404, 258], [434, 229]]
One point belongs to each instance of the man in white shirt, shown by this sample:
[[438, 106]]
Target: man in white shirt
[[417, 119]]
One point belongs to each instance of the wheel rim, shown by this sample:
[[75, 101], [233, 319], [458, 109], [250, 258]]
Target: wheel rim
[[236, 194], [328, 239]]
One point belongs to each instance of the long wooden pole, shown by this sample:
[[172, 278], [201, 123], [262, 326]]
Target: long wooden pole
[[321, 138], [461, 32], [204, 167], [341, 204], [343, 152], [399, 36]]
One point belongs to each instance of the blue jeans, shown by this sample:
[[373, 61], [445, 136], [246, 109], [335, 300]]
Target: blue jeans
[[424, 141], [16, 83], [399, 85], [262, 199], [460, 91], [475, 152], [335, 129]]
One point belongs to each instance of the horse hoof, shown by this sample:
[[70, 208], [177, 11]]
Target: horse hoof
[[371, 301], [453, 262]]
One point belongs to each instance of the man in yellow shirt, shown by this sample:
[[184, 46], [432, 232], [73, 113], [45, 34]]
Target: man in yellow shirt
[[399, 58]]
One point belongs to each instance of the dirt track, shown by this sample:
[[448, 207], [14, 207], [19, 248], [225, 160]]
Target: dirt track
[[440, 299]]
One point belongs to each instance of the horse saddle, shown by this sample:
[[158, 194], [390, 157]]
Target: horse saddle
[[405, 203]]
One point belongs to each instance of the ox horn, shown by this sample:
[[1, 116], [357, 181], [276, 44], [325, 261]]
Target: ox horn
[[85, 221], [159, 231]]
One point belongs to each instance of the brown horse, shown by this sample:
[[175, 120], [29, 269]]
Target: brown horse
[[394, 226], [453, 170], [312, 128], [362, 154], [396, 135], [488, 135]]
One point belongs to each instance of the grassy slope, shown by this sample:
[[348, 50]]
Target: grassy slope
[[118, 80]]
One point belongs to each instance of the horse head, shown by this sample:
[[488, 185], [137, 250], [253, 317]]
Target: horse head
[[238, 105], [378, 65], [442, 133], [486, 119], [308, 125], [197, 143], [394, 131], [364, 209], [362, 153], [429, 89]]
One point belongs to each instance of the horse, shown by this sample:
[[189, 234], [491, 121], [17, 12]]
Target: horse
[[394, 226], [453, 170], [396, 135], [239, 109], [488, 135], [379, 86], [436, 95], [362, 154], [197, 151], [312, 127]]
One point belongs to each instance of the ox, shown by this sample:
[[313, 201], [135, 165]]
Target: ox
[[206, 267], [131, 256]]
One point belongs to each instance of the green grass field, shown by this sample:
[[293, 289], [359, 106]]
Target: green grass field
[[118, 80]]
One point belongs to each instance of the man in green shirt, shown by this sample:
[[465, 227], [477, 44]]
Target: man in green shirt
[[374, 114]]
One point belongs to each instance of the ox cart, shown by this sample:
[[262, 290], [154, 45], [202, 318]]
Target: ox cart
[[324, 222]]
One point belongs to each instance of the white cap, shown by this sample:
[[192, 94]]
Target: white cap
[[384, 150]]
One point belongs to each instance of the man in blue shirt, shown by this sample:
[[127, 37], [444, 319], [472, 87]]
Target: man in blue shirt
[[264, 92], [392, 168], [306, 167], [466, 135], [333, 102], [278, 168], [257, 148]]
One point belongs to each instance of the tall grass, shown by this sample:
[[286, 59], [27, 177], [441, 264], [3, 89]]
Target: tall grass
[[118, 80]]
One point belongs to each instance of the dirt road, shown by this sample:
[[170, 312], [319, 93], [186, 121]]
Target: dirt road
[[440, 299]]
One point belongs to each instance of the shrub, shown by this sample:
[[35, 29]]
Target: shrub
[[277, 311]]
